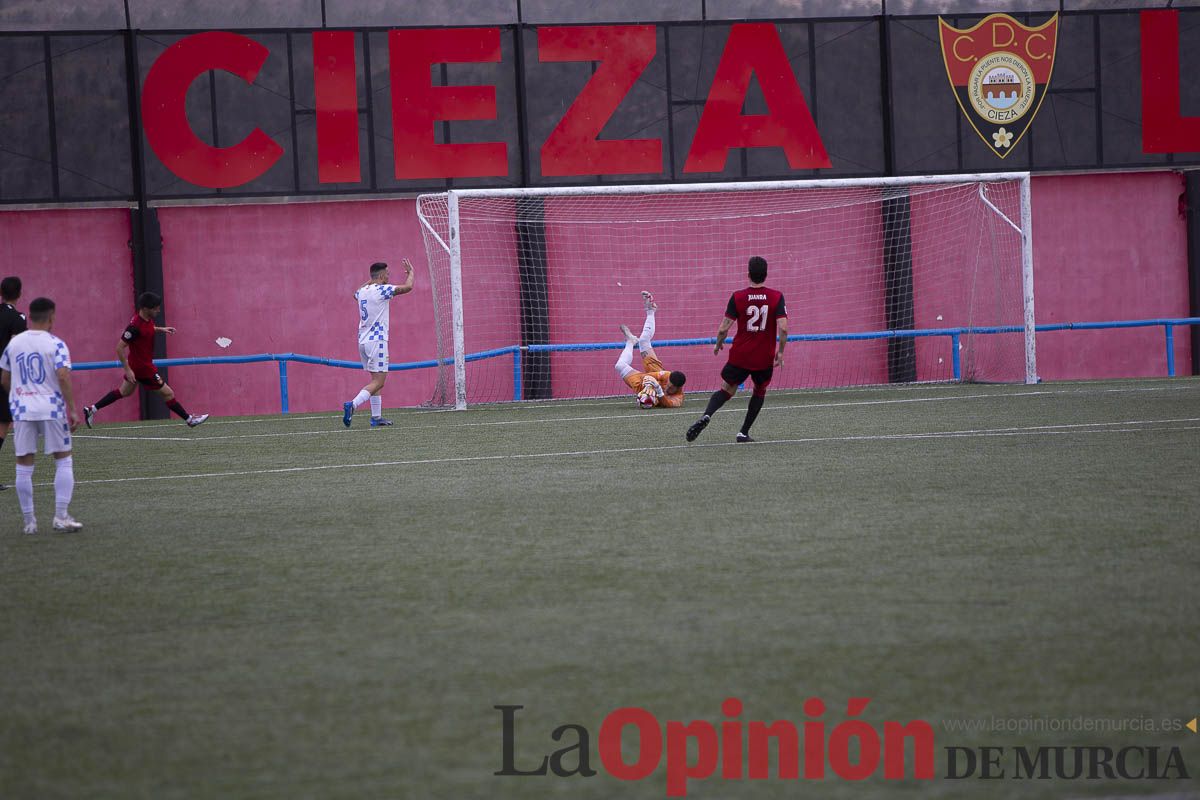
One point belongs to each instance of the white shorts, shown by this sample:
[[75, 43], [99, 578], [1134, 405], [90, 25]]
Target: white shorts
[[374, 355], [55, 433], [624, 370]]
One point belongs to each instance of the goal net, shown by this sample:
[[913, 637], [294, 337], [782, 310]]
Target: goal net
[[886, 281]]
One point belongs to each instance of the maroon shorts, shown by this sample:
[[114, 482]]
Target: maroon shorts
[[735, 375], [149, 378]]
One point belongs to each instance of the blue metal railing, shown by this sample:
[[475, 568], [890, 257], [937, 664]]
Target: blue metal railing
[[954, 334]]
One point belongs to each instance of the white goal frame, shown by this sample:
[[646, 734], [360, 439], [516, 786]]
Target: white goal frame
[[1024, 227]]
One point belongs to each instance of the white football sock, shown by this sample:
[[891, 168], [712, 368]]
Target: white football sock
[[647, 332], [360, 398], [25, 490], [624, 363], [376, 406], [64, 485]]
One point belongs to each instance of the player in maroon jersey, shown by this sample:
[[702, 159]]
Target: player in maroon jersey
[[761, 317], [12, 322], [136, 353]]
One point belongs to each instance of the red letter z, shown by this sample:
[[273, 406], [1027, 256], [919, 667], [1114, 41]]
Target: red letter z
[[623, 52]]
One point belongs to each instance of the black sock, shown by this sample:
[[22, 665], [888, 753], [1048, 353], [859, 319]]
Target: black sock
[[718, 399], [756, 404], [178, 409], [108, 399], [1, 442]]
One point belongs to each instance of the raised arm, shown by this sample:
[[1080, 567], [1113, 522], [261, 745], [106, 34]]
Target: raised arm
[[407, 286], [722, 332]]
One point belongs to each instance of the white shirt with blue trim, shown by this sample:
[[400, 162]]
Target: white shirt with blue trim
[[33, 359], [373, 317]]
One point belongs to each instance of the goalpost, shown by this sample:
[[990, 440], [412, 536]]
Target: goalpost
[[887, 280]]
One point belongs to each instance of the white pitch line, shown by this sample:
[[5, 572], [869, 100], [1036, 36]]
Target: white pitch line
[[678, 413], [1036, 430], [211, 422], [1068, 425], [136, 438], [1040, 430], [619, 401], [595, 418], [622, 416], [539, 405], [1019, 432]]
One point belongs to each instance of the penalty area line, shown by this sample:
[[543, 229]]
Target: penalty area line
[[623, 415], [138, 438], [621, 402], [213, 422], [1041, 430]]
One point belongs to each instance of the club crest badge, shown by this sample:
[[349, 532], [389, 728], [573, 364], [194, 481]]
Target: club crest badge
[[999, 70]]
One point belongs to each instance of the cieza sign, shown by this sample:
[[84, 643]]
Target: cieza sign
[[620, 54]]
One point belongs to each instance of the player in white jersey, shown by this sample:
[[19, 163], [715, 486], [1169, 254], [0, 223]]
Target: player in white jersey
[[35, 370], [373, 299]]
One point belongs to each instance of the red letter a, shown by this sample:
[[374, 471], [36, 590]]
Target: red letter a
[[755, 49]]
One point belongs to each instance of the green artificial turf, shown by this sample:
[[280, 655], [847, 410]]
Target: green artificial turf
[[280, 608]]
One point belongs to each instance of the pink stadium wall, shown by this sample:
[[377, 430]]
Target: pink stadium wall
[[80, 259], [278, 278], [1109, 247]]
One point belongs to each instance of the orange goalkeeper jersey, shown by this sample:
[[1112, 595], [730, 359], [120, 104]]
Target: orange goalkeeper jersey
[[654, 370]]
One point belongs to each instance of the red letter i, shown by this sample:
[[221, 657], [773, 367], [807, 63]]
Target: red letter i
[[336, 88], [731, 740]]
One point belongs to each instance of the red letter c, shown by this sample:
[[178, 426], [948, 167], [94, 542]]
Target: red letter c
[[164, 114]]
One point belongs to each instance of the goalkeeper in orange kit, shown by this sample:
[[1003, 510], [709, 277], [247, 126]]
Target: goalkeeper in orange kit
[[654, 386]]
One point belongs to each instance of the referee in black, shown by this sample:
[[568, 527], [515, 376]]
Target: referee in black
[[12, 322]]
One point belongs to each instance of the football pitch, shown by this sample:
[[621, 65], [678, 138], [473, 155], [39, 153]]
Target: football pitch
[[278, 607]]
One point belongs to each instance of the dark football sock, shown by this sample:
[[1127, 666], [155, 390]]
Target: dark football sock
[[178, 409], [756, 404], [718, 399], [108, 399], [1, 442]]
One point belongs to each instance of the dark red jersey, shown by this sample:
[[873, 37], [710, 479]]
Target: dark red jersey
[[756, 309], [139, 335]]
